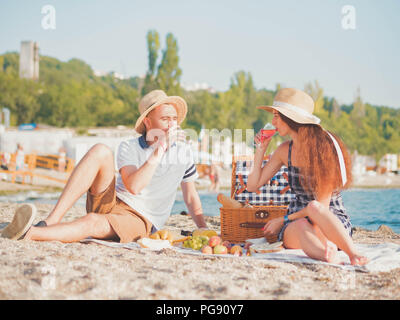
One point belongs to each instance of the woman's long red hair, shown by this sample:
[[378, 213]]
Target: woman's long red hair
[[318, 159]]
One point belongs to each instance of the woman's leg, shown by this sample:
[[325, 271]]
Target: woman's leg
[[334, 230], [91, 225], [301, 234]]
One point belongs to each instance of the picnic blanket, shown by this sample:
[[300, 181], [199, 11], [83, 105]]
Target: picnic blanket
[[382, 257]]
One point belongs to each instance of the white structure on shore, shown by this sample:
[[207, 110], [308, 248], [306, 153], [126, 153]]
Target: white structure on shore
[[29, 60], [364, 164], [361, 164], [39, 141], [389, 162]]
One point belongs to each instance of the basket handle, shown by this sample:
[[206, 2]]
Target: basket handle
[[253, 225], [259, 214]]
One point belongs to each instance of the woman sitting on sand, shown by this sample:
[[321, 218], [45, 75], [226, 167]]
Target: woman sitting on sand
[[319, 167]]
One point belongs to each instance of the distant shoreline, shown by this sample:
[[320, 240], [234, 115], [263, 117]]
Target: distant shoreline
[[52, 189], [375, 187]]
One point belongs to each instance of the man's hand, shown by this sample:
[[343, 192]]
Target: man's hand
[[165, 140], [193, 203], [175, 134]]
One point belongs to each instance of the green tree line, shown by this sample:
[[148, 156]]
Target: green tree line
[[68, 94]]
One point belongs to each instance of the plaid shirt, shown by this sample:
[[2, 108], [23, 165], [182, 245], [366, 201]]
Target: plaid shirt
[[302, 198]]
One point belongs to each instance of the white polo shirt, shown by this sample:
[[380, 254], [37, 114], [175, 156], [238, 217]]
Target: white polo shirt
[[155, 201]]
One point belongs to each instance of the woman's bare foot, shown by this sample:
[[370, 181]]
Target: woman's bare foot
[[358, 260], [331, 253]]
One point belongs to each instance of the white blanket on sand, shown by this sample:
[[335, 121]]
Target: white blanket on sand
[[382, 257]]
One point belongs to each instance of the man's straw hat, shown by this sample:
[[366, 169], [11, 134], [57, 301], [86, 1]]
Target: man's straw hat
[[294, 104], [157, 98]]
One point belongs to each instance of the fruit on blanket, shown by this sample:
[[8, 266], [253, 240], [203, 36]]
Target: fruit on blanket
[[197, 232], [220, 249], [178, 240], [207, 249], [236, 250], [195, 243], [204, 239], [209, 233], [247, 245], [227, 244], [214, 241], [204, 232]]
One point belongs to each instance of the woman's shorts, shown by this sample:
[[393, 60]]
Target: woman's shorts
[[345, 220]]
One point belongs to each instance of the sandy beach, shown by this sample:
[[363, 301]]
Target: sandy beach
[[54, 270]]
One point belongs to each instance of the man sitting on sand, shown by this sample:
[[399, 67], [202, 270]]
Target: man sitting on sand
[[139, 202]]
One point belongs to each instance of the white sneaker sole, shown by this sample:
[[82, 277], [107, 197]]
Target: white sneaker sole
[[22, 221]]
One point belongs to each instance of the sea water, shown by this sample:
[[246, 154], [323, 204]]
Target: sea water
[[367, 208]]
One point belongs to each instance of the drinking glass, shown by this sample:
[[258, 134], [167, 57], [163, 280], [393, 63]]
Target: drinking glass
[[268, 131]]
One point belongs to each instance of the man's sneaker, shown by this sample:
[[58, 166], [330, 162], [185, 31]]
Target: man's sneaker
[[22, 221]]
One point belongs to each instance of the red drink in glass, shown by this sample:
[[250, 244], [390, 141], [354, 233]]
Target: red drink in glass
[[267, 133]]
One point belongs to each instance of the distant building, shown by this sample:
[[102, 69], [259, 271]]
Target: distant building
[[113, 74], [99, 73], [29, 60], [389, 162], [361, 164], [198, 86]]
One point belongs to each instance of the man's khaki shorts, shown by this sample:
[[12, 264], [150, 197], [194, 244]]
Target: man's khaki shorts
[[128, 224]]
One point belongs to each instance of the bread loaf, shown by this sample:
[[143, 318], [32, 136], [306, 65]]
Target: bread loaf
[[228, 202], [165, 234]]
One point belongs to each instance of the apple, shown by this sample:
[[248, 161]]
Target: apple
[[206, 250], [220, 249], [214, 241], [227, 244], [236, 250]]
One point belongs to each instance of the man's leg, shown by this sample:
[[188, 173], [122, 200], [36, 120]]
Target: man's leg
[[94, 171], [91, 225]]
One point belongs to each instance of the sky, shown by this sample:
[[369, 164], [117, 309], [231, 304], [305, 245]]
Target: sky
[[289, 42]]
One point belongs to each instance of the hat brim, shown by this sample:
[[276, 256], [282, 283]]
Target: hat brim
[[292, 115], [178, 103]]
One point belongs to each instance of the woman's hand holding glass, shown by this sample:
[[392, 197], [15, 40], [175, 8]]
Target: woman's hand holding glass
[[261, 142], [263, 137]]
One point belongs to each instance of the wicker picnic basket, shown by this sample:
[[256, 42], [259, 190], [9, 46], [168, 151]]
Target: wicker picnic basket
[[240, 224]]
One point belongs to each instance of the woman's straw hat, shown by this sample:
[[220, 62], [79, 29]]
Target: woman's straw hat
[[157, 98], [294, 104]]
